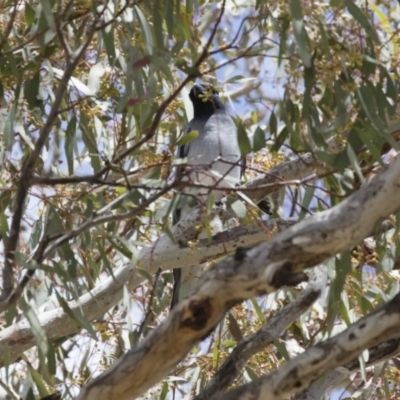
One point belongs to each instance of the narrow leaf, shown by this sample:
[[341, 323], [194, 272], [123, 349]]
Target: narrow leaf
[[244, 141], [185, 139], [359, 16], [258, 139]]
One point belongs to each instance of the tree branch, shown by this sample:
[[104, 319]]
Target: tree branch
[[260, 270], [58, 324], [334, 378], [299, 372], [274, 327]]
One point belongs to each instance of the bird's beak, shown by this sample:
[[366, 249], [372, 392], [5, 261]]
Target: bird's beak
[[197, 89]]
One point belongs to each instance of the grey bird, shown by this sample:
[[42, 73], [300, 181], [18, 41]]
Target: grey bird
[[214, 160]]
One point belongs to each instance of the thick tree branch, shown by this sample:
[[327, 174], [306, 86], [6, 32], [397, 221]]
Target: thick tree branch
[[318, 388], [323, 357], [259, 270], [334, 378], [274, 327]]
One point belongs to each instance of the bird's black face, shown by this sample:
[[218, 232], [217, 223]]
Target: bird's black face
[[205, 99], [203, 91]]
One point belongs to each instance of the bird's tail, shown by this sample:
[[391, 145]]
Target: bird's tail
[[177, 272], [184, 281]]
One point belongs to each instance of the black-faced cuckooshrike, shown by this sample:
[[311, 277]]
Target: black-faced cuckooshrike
[[215, 161]]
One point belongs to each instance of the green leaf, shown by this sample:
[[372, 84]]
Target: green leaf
[[37, 330], [229, 343], [273, 124], [309, 77], [48, 13], [301, 37], [282, 351], [325, 41], [244, 141], [3, 218], [157, 27], [338, 161], [90, 141], [258, 139], [368, 135], [69, 143], [354, 162], [30, 14], [216, 352], [235, 78], [31, 91], [252, 375], [39, 382], [384, 22], [109, 43], [146, 30], [170, 18], [164, 391], [344, 313], [359, 16], [343, 268], [187, 138], [8, 132], [77, 316], [257, 309], [296, 9], [283, 135], [51, 361], [144, 273], [54, 222], [308, 196], [299, 31]]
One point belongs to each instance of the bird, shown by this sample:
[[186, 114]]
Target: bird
[[215, 161]]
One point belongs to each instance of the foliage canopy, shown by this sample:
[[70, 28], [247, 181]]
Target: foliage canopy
[[93, 105]]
